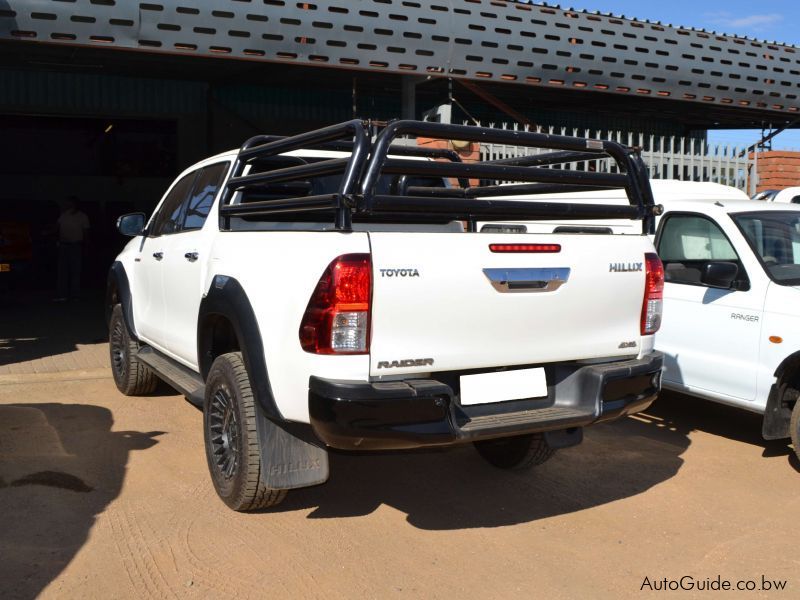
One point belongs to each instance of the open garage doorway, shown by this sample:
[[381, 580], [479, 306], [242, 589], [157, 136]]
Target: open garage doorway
[[111, 165]]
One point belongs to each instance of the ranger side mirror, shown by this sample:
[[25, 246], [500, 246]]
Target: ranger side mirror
[[719, 274], [131, 224]]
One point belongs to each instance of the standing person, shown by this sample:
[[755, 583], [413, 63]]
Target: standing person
[[73, 225]]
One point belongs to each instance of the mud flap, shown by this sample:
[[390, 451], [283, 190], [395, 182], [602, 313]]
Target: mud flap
[[777, 416], [287, 462]]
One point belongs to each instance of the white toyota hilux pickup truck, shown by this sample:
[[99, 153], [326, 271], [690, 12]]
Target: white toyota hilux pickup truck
[[330, 290]]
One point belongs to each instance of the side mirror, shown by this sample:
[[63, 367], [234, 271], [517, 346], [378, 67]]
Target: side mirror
[[131, 224], [719, 274]]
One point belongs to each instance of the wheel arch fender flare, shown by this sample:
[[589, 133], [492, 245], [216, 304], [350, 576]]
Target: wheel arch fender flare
[[227, 299], [792, 361], [118, 291]]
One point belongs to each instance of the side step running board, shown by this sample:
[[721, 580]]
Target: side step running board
[[183, 379]]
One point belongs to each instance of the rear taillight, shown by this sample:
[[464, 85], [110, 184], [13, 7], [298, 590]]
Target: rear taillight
[[653, 294], [336, 320]]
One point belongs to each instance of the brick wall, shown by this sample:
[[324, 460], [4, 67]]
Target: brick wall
[[778, 169]]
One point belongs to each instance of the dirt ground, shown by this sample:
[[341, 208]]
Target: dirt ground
[[104, 496]]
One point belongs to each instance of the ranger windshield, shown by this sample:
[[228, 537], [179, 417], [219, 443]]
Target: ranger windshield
[[775, 238]]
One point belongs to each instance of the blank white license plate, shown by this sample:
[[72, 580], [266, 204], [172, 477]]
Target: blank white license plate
[[502, 386]]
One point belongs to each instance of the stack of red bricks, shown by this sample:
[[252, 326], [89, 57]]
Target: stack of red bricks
[[778, 169]]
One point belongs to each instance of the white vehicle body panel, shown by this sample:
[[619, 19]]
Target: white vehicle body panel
[[787, 195], [451, 312], [146, 285], [279, 285], [716, 342]]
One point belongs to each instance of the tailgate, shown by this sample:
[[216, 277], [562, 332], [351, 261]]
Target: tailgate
[[447, 302]]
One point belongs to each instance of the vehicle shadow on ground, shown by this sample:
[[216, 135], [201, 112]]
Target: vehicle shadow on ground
[[455, 489], [34, 327], [724, 421], [60, 466]]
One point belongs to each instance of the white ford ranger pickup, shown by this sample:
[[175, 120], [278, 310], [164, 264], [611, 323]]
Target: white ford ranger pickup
[[328, 290], [732, 328]]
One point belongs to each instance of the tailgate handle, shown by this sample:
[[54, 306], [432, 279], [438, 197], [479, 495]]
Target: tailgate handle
[[527, 280]]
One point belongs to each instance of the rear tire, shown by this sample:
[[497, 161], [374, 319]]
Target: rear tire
[[132, 376], [233, 448], [515, 453], [794, 427]]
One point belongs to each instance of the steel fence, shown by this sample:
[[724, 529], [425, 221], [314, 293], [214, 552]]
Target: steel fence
[[666, 157]]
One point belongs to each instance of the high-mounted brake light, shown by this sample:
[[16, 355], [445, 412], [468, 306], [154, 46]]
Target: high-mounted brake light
[[522, 248], [652, 306], [336, 320]]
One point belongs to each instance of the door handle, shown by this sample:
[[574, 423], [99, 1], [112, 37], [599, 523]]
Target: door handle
[[158, 255], [191, 256], [527, 280]]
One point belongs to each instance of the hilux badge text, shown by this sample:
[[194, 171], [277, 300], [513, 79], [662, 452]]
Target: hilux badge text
[[624, 267]]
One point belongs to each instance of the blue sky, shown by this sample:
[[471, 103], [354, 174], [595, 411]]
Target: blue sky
[[770, 20]]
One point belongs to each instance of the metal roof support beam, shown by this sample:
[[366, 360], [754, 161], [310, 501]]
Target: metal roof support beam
[[496, 102], [408, 104]]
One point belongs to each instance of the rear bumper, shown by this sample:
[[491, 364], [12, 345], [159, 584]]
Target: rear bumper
[[415, 413]]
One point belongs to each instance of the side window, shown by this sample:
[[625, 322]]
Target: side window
[[796, 200], [168, 219], [687, 243], [203, 193]]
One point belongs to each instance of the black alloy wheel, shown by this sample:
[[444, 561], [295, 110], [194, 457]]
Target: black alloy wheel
[[232, 420], [224, 434], [131, 376]]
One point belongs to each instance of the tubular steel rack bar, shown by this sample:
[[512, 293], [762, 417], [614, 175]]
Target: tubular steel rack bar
[[347, 146], [489, 191], [263, 146], [634, 180], [362, 170], [395, 150], [551, 158], [492, 171], [325, 167], [494, 210]]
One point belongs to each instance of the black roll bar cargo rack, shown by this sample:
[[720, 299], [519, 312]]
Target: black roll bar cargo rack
[[368, 160]]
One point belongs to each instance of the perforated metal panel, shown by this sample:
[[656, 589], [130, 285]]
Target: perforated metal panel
[[487, 40]]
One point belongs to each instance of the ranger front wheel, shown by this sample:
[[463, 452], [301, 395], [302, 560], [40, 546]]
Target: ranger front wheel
[[794, 426]]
